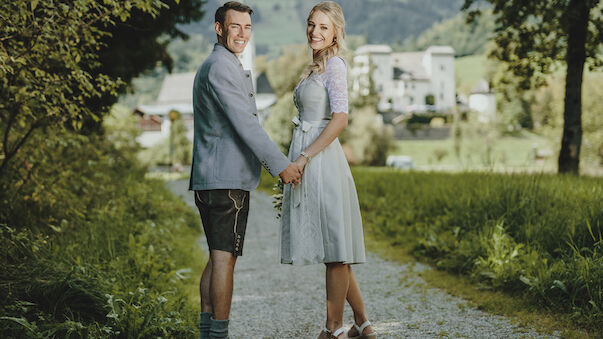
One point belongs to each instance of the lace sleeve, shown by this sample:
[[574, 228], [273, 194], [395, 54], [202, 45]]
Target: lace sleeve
[[337, 85]]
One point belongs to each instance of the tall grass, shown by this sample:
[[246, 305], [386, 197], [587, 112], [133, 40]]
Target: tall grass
[[537, 236], [89, 248]]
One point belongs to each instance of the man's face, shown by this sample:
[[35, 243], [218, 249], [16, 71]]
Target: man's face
[[236, 31]]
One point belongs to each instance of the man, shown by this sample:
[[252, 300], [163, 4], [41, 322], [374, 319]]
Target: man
[[229, 149]]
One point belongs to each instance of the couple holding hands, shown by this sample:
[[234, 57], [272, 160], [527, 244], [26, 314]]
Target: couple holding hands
[[321, 220]]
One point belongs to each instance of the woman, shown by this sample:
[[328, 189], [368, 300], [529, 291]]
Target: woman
[[321, 220]]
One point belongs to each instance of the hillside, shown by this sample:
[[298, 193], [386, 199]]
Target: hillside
[[278, 23], [469, 70], [466, 39]]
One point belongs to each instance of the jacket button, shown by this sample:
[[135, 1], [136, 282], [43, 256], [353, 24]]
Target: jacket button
[[251, 95], [247, 75]]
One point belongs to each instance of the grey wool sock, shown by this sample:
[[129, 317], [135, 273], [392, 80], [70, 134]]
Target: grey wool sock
[[218, 329], [204, 325]]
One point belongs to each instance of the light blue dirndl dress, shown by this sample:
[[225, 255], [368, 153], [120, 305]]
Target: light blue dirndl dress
[[321, 220]]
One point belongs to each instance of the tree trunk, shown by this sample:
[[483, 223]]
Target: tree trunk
[[577, 16]]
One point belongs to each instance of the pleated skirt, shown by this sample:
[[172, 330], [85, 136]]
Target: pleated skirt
[[320, 218]]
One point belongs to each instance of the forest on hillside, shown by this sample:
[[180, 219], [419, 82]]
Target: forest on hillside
[[279, 23]]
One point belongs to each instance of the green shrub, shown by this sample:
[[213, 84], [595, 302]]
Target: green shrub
[[90, 248], [177, 151], [536, 235], [278, 124], [368, 137]]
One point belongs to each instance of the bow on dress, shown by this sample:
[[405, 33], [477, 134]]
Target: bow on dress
[[299, 190]]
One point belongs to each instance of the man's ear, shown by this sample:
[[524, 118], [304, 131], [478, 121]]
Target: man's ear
[[218, 28]]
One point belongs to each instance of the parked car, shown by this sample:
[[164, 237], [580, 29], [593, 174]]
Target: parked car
[[400, 161]]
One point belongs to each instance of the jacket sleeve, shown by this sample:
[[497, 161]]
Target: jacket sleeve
[[226, 84]]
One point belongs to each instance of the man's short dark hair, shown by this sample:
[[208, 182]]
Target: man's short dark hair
[[234, 5]]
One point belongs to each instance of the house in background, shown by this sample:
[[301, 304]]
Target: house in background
[[483, 100], [176, 94], [406, 82]]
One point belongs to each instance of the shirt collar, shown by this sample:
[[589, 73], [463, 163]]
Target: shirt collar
[[218, 47]]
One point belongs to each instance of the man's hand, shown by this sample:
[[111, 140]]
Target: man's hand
[[291, 174]]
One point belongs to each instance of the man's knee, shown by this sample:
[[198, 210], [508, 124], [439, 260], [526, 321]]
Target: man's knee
[[222, 259]]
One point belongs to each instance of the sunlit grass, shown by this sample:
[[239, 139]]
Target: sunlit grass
[[512, 154], [525, 246], [537, 237]]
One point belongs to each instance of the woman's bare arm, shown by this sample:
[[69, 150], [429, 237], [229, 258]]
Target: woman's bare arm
[[338, 123]]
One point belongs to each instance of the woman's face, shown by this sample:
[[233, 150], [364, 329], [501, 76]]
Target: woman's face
[[320, 31]]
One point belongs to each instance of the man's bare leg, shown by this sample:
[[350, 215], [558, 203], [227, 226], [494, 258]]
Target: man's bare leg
[[206, 304], [221, 283]]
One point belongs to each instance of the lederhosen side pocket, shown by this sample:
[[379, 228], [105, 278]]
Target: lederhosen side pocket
[[240, 200]]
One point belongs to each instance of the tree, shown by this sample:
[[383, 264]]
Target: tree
[[140, 42], [55, 64], [535, 36]]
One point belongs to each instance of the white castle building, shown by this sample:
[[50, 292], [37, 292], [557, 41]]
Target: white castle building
[[483, 101], [407, 81]]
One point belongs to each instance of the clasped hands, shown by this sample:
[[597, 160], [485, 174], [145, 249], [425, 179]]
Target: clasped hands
[[293, 173]]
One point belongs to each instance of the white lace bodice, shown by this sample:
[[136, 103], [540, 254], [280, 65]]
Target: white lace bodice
[[334, 79]]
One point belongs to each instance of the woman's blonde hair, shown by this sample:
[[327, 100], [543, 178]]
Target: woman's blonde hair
[[334, 12]]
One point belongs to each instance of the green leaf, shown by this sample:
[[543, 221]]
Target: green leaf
[[525, 280], [560, 285]]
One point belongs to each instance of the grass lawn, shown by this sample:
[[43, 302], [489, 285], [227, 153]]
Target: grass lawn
[[479, 153], [458, 222]]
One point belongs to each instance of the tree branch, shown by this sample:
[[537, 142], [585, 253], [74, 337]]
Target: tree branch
[[9, 155]]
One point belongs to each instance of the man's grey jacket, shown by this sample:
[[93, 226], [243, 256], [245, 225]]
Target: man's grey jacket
[[230, 145]]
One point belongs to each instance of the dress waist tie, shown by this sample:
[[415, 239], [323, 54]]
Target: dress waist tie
[[300, 191]]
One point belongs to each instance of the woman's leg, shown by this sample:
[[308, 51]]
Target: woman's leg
[[354, 298], [338, 278]]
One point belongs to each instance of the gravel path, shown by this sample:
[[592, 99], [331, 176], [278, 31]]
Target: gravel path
[[280, 301]]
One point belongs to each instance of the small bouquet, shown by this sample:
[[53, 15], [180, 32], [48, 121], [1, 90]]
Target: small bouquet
[[277, 197]]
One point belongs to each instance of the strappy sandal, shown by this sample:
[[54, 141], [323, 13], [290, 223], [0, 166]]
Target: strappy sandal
[[331, 335], [361, 328]]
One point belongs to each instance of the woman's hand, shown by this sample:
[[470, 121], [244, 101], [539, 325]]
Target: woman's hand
[[301, 163]]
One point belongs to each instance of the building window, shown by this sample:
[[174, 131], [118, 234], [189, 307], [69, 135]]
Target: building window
[[441, 96], [442, 68], [429, 99], [412, 100]]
